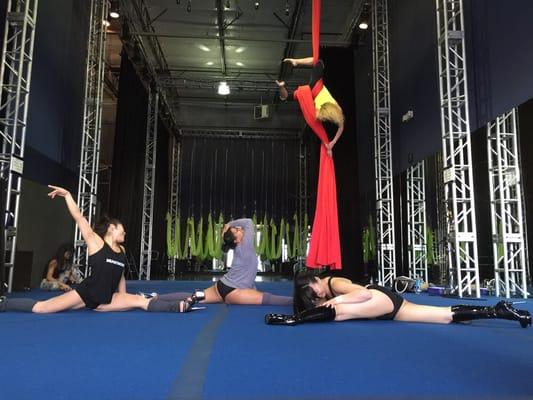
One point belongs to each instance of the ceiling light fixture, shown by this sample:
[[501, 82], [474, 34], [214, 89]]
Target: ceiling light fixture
[[189, 6], [209, 63], [240, 64], [223, 88], [114, 11], [240, 49], [106, 23], [203, 47], [256, 5], [363, 25], [287, 8]]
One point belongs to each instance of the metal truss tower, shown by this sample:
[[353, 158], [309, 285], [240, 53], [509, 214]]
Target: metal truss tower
[[174, 204], [382, 145], [15, 80], [152, 119], [92, 125], [416, 225], [506, 206], [457, 155]]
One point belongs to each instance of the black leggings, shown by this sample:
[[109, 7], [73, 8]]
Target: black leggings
[[396, 299]]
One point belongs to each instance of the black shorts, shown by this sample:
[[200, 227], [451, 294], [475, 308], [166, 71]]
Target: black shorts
[[396, 299], [87, 298], [223, 289]]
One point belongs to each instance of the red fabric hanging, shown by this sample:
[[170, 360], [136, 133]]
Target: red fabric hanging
[[324, 249]]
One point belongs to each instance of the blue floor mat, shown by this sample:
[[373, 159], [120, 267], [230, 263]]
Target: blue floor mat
[[227, 352]]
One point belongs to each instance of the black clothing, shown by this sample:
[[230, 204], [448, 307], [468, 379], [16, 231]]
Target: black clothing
[[316, 74], [107, 268], [396, 299], [223, 289]]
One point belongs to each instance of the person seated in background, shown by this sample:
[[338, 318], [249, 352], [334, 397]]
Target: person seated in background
[[60, 272]]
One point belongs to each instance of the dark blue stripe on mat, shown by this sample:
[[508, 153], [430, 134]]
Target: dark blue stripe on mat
[[189, 384]]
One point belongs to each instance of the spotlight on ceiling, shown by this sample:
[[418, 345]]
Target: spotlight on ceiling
[[223, 88], [114, 11], [287, 8], [189, 6], [363, 25], [106, 23], [256, 5]]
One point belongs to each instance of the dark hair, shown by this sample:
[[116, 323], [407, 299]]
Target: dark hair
[[100, 228], [304, 295], [228, 241], [62, 264]]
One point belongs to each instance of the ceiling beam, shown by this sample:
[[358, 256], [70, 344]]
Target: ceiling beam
[[222, 45], [336, 43], [289, 47]]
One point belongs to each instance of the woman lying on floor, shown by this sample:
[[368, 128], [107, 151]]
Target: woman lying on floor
[[105, 288], [339, 299], [235, 287]]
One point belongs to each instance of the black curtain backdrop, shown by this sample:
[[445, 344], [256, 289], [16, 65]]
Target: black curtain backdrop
[[127, 175], [239, 177], [339, 78]]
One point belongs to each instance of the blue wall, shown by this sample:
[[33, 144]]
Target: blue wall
[[499, 40], [57, 89]]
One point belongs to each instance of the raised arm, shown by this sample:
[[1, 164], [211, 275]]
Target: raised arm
[[349, 292], [93, 241]]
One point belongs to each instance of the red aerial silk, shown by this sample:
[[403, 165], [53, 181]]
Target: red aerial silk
[[325, 249]]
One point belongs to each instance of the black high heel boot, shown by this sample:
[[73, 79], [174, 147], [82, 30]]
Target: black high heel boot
[[463, 313], [505, 310], [317, 314], [502, 310]]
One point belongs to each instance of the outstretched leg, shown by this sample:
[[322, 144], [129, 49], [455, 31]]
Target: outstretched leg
[[124, 302]]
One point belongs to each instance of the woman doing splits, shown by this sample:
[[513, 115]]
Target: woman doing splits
[[235, 287], [329, 298], [105, 288]]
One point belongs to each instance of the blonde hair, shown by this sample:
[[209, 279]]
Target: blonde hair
[[331, 112]]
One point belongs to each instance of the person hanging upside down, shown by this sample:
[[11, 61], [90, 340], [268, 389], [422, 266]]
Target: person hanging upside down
[[328, 110], [105, 288], [235, 287], [338, 299]]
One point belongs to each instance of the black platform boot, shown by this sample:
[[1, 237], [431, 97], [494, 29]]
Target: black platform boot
[[505, 310], [502, 310], [317, 314]]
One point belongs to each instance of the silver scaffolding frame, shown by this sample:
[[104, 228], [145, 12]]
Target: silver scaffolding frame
[[457, 154], [416, 221], [174, 203], [152, 118], [15, 82], [507, 209], [92, 126], [382, 145]]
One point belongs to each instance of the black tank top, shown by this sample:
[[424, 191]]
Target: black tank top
[[330, 287], [107, 268]]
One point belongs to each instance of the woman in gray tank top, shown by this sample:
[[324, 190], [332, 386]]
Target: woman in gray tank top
[[238, 285]]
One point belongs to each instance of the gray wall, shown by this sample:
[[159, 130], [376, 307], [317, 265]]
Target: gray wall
[[43, 225]]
